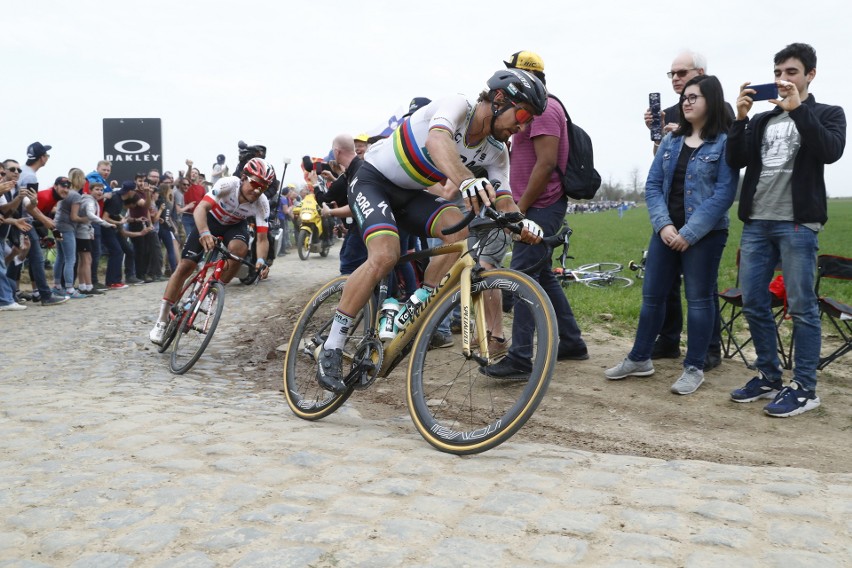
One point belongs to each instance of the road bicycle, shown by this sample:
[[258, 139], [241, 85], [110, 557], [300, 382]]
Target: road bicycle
[[456, 408], [639, 268], [193, 318], [594, 275]]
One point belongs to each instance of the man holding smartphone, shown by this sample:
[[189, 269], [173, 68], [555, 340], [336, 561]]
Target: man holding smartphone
[[783, 207], [26, 209]]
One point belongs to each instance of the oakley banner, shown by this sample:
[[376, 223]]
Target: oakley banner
[[133, 145]]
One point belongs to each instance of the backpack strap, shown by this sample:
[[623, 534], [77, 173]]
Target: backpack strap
[[559, 170]]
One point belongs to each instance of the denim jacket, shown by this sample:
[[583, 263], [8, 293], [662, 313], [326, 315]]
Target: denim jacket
[[709, 188]]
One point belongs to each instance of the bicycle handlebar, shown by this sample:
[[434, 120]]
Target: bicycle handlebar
[[223, 250]]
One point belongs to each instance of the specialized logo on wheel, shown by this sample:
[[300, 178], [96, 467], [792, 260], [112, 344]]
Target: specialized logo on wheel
[[450, 434]]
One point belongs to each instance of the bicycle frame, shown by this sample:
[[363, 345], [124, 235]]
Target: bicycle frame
[[461, 271], [201, 281]]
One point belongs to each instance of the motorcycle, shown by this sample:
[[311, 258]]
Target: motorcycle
[[313, 235]]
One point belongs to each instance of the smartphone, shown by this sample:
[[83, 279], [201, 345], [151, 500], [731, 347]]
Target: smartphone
[[656, 117], [33, 186], [764, 92]]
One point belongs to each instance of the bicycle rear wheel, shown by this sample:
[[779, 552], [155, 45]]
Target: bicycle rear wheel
[[305, 397], [196, 327], [609, 281], [460, 410]]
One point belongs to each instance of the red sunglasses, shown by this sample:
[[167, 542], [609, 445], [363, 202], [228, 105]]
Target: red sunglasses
[[523, 116], [256, 184]]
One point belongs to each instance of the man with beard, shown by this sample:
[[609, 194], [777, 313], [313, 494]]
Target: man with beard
[[437, 143]]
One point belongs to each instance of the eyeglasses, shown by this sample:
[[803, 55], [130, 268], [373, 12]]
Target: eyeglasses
[[14, 170], [184, 184], [522, 115], [680, 73], [256, 184], [64, 184], [690, 99]]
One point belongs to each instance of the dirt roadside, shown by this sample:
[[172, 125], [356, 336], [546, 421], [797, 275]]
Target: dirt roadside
[[583, 410]]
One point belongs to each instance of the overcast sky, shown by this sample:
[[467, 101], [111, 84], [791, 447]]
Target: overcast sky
[[292, 76]]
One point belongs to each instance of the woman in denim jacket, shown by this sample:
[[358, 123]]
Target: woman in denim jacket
[[689, 190]]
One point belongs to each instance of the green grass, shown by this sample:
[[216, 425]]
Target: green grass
[[603, 237]]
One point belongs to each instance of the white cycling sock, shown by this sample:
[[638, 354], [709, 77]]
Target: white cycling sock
[[165, 306], [339, 331]]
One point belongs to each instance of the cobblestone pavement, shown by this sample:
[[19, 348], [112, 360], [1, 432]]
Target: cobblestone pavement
[[108, 460]]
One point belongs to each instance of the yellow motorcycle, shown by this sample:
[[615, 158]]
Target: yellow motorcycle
[[312, 236]]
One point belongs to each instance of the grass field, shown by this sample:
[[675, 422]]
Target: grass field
[[603, 237]]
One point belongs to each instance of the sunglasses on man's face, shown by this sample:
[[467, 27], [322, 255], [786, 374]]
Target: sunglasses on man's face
[[256, 184], [522, 115], [14, 170], [681, 73]]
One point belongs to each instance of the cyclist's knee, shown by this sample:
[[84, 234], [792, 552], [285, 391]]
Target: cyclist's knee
[[383, 256]]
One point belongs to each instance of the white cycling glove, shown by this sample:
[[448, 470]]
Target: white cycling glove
[[532, 227], [470, 187]]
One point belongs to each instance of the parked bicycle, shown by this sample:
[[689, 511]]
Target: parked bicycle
[[193, 318], [594, 275], [639, 268], [455, 408]]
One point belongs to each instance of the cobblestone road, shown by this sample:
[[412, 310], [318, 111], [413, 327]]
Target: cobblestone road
[[108, 460]]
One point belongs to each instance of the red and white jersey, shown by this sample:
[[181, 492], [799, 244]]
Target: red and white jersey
[[227, 209]]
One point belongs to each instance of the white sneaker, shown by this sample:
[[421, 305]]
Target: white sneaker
[[628, 368], [13, 307], [156, 334]]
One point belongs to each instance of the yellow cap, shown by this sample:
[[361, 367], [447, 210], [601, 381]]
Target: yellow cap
[[363, 137]]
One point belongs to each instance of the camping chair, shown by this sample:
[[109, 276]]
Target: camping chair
[[731, 309], [838, 313]]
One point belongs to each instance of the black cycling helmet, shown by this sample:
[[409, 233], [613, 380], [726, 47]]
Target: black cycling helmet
[[520, 87]]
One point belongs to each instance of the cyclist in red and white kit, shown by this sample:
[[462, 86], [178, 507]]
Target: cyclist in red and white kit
[[222, 213]]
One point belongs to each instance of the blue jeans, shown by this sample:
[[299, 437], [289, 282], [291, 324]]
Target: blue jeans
[[699, 265], [7, 288], [96, 250], [110, 238], [36, 265], [763, 245], [188, 223], [550, 219], [353, 253], [66, 259], [167, 238]]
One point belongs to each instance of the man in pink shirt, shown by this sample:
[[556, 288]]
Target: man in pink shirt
[[536, 188]]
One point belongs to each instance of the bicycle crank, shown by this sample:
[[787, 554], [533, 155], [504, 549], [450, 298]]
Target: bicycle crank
[[367, 363]]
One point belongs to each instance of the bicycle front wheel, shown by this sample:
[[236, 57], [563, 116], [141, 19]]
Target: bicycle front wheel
[[305, 397], [455, 406], [609, 281], [196, 327]]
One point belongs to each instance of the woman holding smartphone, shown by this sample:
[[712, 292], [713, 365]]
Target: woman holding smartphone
[[689, 189]]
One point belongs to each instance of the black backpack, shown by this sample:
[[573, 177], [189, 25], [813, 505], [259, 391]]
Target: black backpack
[[580, 179]]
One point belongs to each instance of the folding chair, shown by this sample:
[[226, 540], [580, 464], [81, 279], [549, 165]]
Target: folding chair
[[838, 313], [731, 309]]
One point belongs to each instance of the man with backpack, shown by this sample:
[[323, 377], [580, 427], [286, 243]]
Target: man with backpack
[[538, 155]]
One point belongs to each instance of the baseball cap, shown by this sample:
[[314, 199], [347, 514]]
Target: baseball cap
[[417, 102], [363, 137], [528, 61], [128, 186], [37, 150], [63, 181]]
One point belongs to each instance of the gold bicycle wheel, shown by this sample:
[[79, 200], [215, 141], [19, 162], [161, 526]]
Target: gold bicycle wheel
[[304, 396]]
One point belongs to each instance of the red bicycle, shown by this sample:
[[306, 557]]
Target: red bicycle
[[193, 318]]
